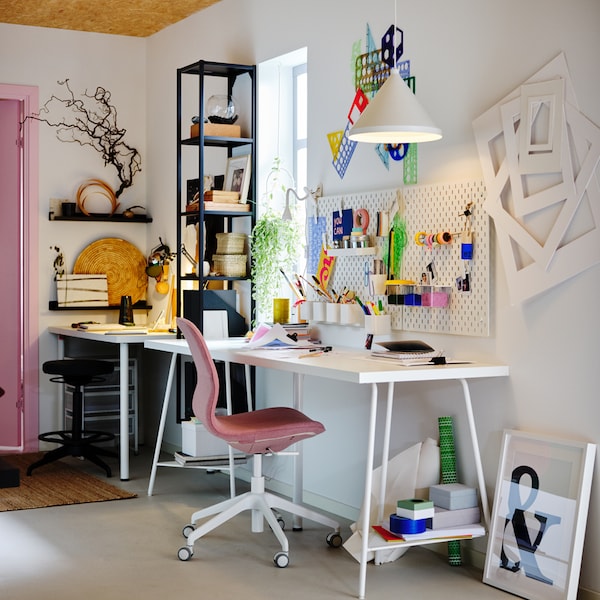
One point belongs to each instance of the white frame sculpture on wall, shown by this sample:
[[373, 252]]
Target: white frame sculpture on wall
[[539, 516], [540, 156]]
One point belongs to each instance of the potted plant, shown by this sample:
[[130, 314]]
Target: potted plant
[[275, 244]]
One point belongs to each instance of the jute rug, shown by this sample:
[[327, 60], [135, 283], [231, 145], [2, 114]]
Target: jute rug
[[55, 484]]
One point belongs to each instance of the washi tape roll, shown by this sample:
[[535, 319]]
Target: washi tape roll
[[420, 237], [443, 237], [361, 219], [402, 525]]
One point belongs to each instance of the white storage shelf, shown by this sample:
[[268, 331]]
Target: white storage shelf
[[101, 402]]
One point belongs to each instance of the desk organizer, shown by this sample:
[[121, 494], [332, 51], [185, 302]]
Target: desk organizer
[[378, 324], [419, 295], [331, 312]]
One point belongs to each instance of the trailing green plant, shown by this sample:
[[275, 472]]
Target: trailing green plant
[[275, 244]]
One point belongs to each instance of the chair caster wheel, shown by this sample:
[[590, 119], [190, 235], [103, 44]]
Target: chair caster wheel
[[281, 560], [184, 553], [334, 539], [187, 530], [281, 522]]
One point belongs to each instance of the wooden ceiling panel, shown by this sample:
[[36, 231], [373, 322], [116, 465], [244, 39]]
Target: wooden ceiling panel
[[139, 18]]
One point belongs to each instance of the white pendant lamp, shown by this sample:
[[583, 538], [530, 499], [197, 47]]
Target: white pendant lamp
[[394, 116]]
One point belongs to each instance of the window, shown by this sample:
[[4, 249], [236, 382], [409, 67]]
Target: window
[[282, 125]]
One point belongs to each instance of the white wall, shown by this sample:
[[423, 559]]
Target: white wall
[[42, 57], [466, 55]]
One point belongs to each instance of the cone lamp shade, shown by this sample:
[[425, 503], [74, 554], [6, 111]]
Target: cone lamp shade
[[394, 116]]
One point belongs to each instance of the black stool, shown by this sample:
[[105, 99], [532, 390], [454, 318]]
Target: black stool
[[76, 441]]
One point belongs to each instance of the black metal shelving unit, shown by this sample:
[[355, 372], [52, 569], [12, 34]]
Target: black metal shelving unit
[[226, 76]]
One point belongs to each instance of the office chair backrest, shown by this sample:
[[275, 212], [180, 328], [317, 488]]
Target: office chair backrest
[[206, 394]]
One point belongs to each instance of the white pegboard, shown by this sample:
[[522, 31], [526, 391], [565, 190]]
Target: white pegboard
[[435, 208], [432, 209]]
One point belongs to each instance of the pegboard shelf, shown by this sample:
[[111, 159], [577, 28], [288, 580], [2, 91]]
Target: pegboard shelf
[[369, 251]]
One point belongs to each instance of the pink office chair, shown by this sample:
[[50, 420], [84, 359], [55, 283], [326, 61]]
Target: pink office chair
[[259, 432]]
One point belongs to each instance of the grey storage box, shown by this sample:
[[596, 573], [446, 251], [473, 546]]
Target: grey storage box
[[453, 496]]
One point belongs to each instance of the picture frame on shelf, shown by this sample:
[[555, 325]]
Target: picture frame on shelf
[[192, 191], [237, 176], [535, 542]]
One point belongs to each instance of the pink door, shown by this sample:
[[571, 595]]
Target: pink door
[[19, 248], [10, 298]]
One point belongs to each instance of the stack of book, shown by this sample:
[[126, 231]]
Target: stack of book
[[208, 461]]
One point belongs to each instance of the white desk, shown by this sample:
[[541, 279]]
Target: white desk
[[354, 366], [123, 341]]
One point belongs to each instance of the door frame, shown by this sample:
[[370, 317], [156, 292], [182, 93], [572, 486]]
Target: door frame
[[29, 97]]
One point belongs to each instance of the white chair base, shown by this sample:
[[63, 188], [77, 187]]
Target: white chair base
[[262, 504]]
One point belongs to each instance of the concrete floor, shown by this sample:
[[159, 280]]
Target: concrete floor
[[128, 549]]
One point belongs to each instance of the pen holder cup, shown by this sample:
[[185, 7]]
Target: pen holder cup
[[319, 311], [351, 314], [332, 312], [281, 310], [377, 284], [378, 324], [306, 309]]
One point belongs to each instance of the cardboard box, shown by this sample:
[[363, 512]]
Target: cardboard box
[[216, 129], [221, 196], [196, 441], [453, 496]]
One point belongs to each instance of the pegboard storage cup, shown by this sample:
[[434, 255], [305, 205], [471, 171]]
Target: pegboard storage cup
[[378, 324], [377, 284], [332, 312], [435, 296], [351, 314], [306, 310], [318, 311]]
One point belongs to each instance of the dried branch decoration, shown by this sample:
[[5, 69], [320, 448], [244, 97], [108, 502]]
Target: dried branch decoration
[[91, 120]]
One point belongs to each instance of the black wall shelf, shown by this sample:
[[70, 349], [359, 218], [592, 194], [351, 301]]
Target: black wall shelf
[[53, 305], [102, 217]]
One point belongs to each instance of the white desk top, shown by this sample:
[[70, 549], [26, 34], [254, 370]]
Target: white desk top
[[342, 364], [110, 336]]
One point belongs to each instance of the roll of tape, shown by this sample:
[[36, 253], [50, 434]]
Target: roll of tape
[[443, 237], [402, 525], [361, 219], [420, 237]]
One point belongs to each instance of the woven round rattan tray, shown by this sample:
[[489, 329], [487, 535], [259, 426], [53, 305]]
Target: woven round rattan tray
[[123, 264]]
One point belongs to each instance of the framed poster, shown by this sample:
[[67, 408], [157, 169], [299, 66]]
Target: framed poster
[[539, 516], [237, 176]]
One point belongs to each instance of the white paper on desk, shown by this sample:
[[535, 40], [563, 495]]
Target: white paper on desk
[[272, 337], [409, 475]]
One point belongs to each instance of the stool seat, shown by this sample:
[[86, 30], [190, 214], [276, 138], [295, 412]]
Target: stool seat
[[75, 441], [79, 371]]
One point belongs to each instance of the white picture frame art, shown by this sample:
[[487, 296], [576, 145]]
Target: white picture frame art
[[536, 535], [237, 176]]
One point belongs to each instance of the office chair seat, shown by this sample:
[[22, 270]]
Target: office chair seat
[[259, 432]]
